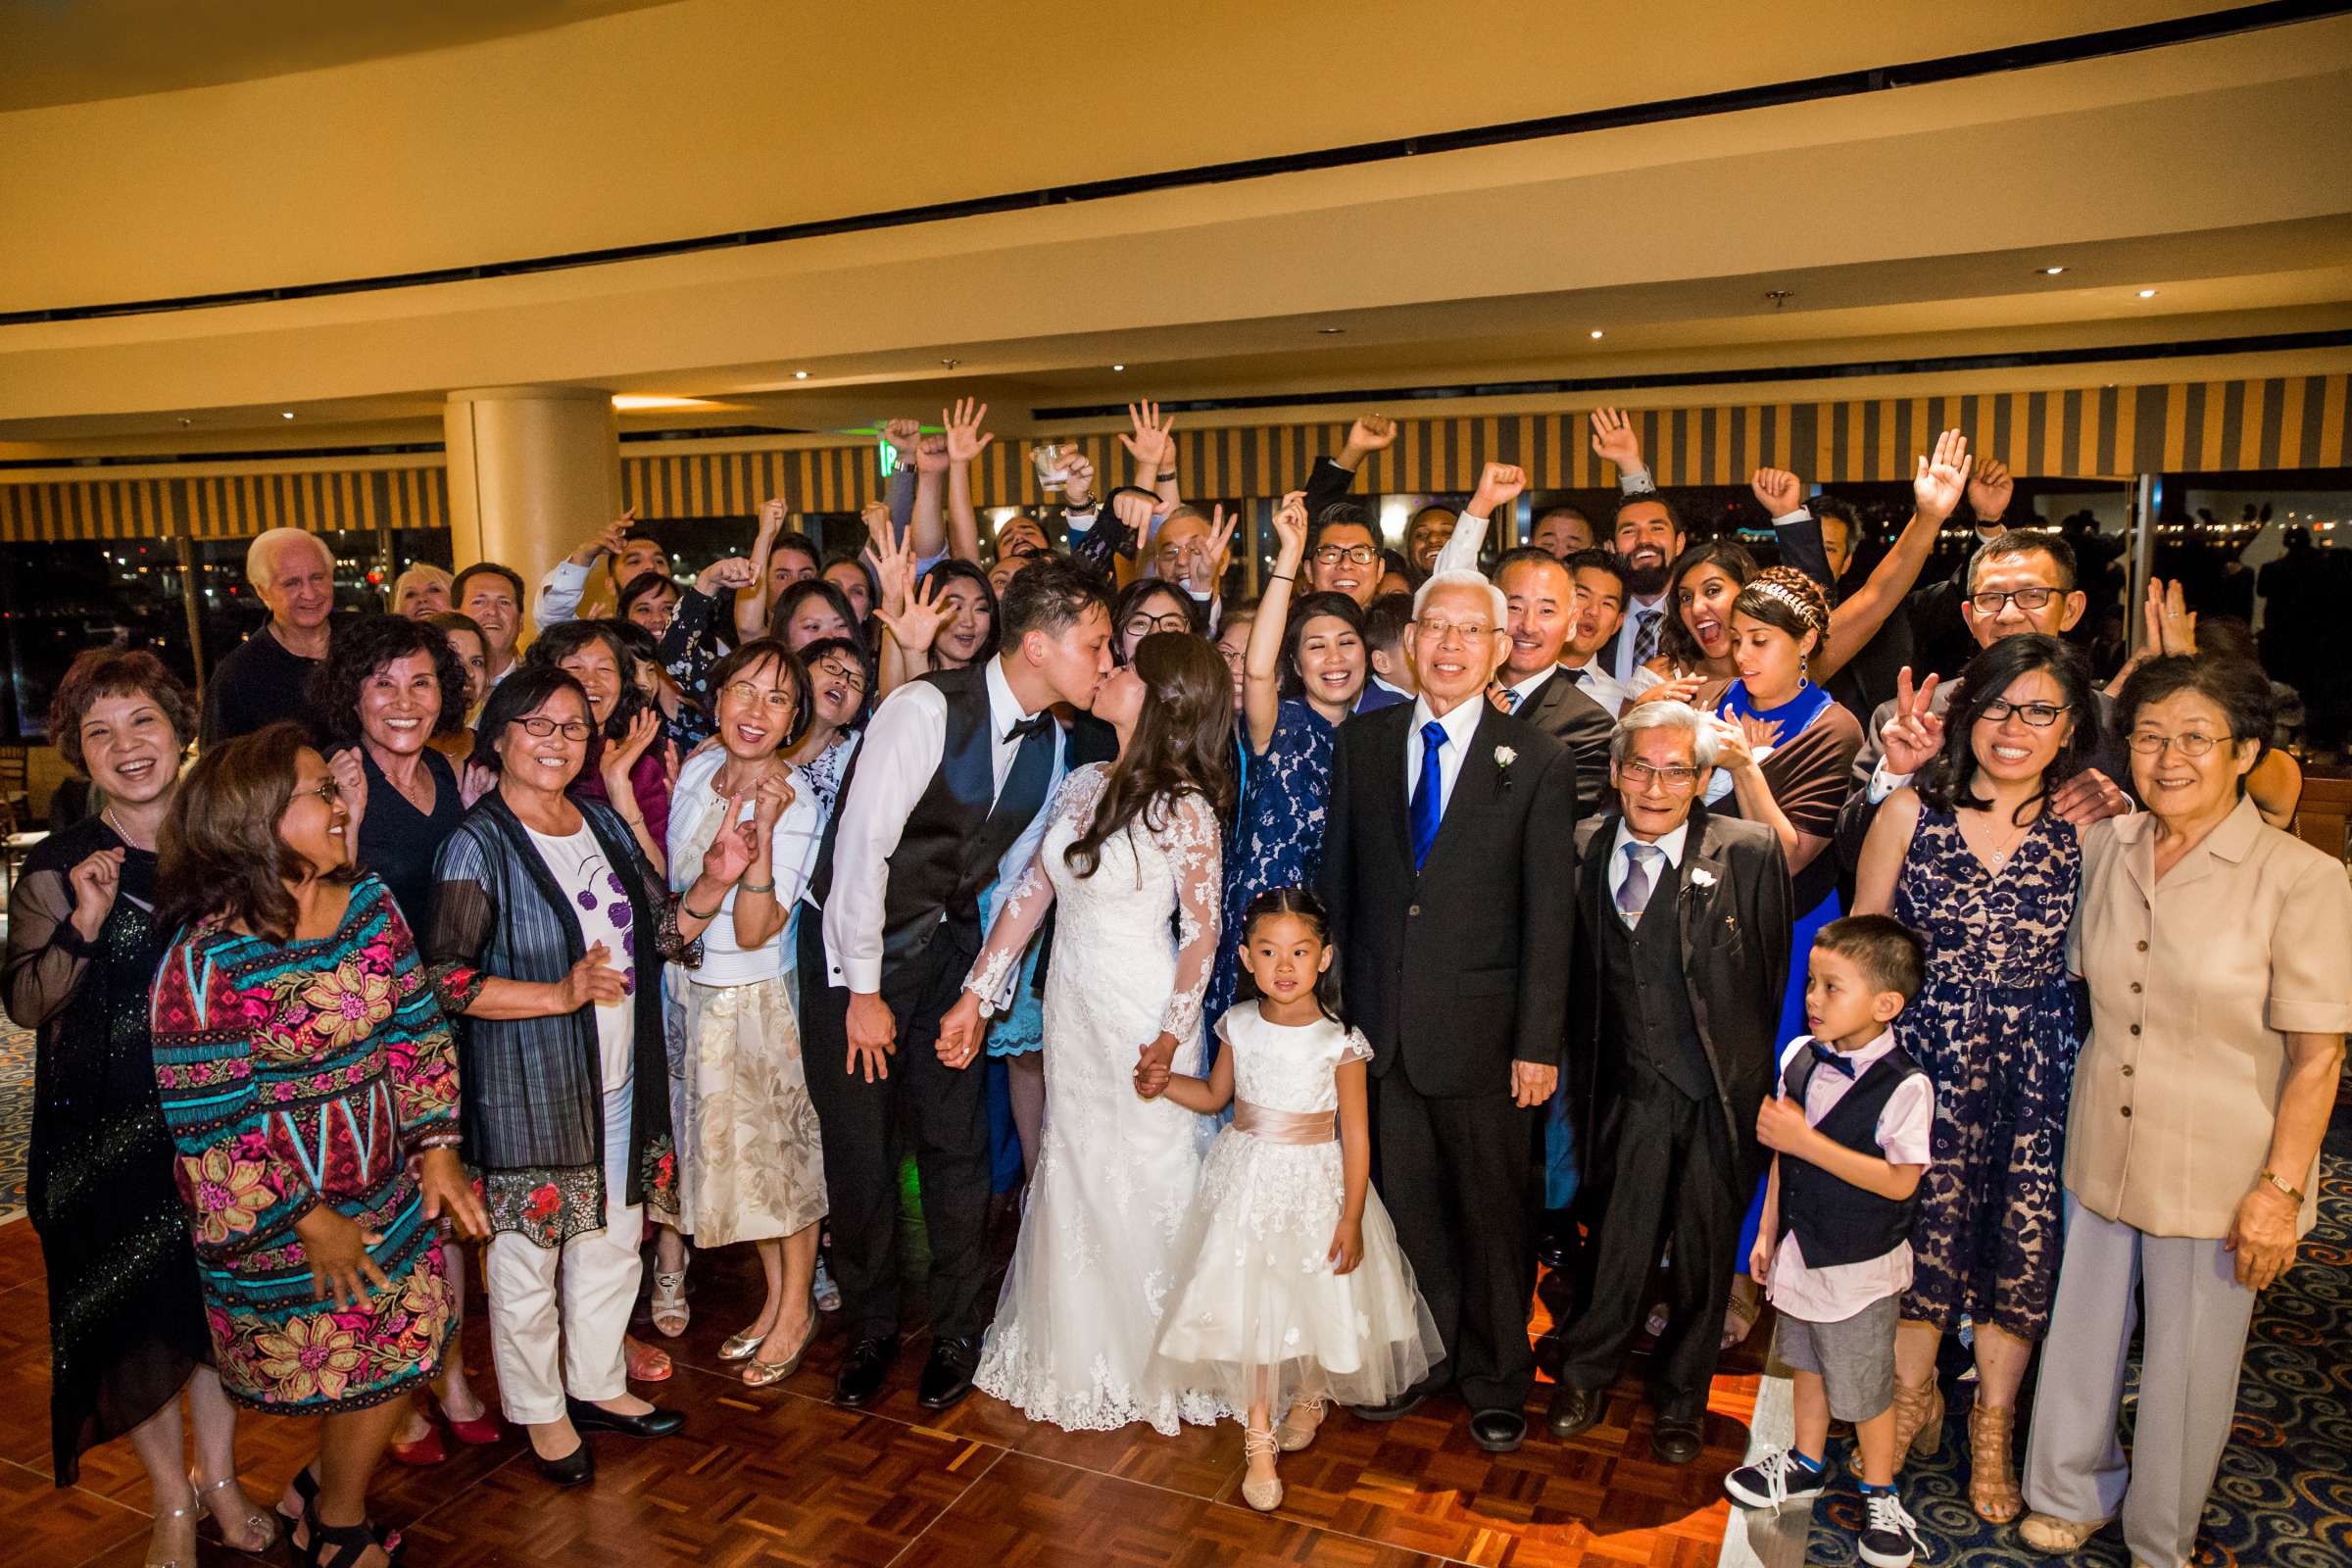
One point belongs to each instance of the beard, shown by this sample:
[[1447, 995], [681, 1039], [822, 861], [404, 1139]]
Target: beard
[[1646, 581]]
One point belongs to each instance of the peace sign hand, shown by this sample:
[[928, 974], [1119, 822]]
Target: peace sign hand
[[1914, 732]]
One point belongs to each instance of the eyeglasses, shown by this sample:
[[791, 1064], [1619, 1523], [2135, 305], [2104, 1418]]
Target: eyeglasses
[[1991, 604], [2192, 744], [2041, 715], [847, 674], [541, 728], [1357, 555], [1677, 779], [1146, 625], [743, 691], [1467, 630], [324, 789]]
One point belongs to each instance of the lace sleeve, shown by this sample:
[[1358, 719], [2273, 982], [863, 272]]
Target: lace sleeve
[[1195, 850], [1357, 1047], [46, 955], [1000, 961]]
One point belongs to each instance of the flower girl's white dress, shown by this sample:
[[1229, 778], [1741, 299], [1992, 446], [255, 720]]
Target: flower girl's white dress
[[1258, 1315]]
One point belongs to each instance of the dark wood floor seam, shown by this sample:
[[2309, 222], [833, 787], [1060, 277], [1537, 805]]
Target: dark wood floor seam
[[902, 1555]]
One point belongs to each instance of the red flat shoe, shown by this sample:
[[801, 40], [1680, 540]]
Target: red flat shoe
[[480, 1432], [424, 1453]]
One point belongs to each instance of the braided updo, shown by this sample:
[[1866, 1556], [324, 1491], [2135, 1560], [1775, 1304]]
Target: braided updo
[[1786, 597]]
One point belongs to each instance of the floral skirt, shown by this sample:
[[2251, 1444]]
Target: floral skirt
[[282, 1351], [754, 1162]]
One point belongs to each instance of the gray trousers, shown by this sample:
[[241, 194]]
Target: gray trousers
[[2197, 1318]]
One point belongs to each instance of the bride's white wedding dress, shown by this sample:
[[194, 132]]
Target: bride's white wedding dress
[[1133, 946]]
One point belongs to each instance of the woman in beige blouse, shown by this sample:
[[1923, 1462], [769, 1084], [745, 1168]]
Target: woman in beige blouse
[[2215, 950]]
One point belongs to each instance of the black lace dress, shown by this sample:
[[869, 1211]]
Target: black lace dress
[[125, 1319]]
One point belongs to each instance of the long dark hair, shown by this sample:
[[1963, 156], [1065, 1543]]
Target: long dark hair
[[1318, 607], [1182, 745], [1675, 641], [219, 851], [1132, 598], [1948, 784], [1302, 903], [950, 570]]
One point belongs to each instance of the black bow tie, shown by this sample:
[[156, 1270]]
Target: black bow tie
[[1023, 728], [1822, 1052]]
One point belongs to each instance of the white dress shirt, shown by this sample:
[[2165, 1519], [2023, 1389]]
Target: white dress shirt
[[1459, 725], [902, 749], [1598, 684], [1670, 845]]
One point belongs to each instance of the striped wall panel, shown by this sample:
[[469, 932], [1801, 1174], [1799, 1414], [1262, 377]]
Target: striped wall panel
[[2282, 422]]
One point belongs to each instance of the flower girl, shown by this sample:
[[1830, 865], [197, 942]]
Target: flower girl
[[1293, 1290]]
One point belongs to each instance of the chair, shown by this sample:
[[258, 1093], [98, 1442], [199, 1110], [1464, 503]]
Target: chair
[[14, 846], [15, 772]]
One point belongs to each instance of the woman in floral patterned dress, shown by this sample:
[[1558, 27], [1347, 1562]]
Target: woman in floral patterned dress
[[550, 929], [306, 1078]]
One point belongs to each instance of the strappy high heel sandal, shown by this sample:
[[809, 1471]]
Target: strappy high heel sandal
[[1991, 1481], [348, 1543], [1263, 1495], [194, 1509], [255, 1522], [1292, 1434], [306, 1487], [1917, 1423], [669, 1302]]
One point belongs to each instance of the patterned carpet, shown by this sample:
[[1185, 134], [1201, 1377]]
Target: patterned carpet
[[2285, 1497], [16, 1114]]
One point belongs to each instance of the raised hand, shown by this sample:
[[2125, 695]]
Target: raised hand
[[620, 755], [1615, 438], [902, 434], [891, 554], [1153, 443], [351, 786], [608, 540], [771, 798], [95, 880], [1220, 535], [876, 514], [931, 455], [731, 851], [1778, 491], [1914, 731], [2171, 627], [1498, 486], [1134, 511], [1373, 432], [1674, 689], [1762, 734], [591, 980], [1732, 753], [1290, 534], [771, 518], [1989, 492], [1078, 482], [1941, 480], [728, 575], [966, 439], [914, 625]]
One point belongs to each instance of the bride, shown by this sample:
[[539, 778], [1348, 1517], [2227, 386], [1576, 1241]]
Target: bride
[[1131, 857]]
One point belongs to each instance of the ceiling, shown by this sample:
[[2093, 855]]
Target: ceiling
[[1894, 227], [84, 51]]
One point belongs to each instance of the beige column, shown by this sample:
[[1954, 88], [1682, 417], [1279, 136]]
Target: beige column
[[532, 471]]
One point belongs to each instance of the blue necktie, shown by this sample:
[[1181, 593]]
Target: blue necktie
[[1425, 793], [1824, 1054]]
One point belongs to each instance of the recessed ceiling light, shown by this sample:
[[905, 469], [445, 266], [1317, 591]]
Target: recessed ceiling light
[[1331, 331], [800, 375], [2052, 272], [1118, 366], [289, 415], [1596, 331], [2147, 293]]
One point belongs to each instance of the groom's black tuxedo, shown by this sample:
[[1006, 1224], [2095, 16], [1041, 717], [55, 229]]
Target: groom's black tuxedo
[[1454, 972]]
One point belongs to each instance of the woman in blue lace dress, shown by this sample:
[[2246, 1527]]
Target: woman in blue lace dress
[[1303, 673], [1974, 861]]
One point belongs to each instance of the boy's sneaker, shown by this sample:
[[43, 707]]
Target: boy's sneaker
[[1889, 1539], [1777, 1477]]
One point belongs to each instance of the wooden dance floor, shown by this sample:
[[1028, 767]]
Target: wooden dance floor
[[780, 1476]]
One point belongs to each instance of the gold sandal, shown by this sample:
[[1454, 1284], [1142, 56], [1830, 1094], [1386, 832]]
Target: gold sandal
[[1291, 1435], [1992, 1482], [2054, 1536], [758, 1374], [1263, 1495]]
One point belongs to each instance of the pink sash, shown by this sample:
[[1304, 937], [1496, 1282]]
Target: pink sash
[[1286, 1126]]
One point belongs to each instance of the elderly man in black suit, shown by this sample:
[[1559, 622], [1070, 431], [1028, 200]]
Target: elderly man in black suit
[[1682, 964], [1454, 929]]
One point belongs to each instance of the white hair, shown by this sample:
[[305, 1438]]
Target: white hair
[[1464, 580], [257, 554], [1664, 715]]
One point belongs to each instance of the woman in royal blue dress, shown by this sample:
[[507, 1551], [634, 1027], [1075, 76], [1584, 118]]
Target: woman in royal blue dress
[[1303, 671]]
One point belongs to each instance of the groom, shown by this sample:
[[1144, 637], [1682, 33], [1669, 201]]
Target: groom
[[952, 782], [1441, 866]]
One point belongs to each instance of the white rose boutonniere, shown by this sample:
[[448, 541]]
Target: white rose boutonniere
[[1700, 876], [1504, 757]]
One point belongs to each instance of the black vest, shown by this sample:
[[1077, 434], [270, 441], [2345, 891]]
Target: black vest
[[949, 850], [1838, 1223], [1643, 970]]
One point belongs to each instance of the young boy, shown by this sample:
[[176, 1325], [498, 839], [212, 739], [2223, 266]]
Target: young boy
[[1851, 1134]]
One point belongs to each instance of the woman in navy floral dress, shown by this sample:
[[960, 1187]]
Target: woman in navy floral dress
[[1974, 861], [308, 1083], [1317, 653]]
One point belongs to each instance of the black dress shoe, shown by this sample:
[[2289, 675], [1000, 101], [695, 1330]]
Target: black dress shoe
[[1573, 1410], [575, 1469], [948, 1373], [1497, 1431], [1674, 1438], [865, 1370], [595, 1418], [1396, 1409]]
